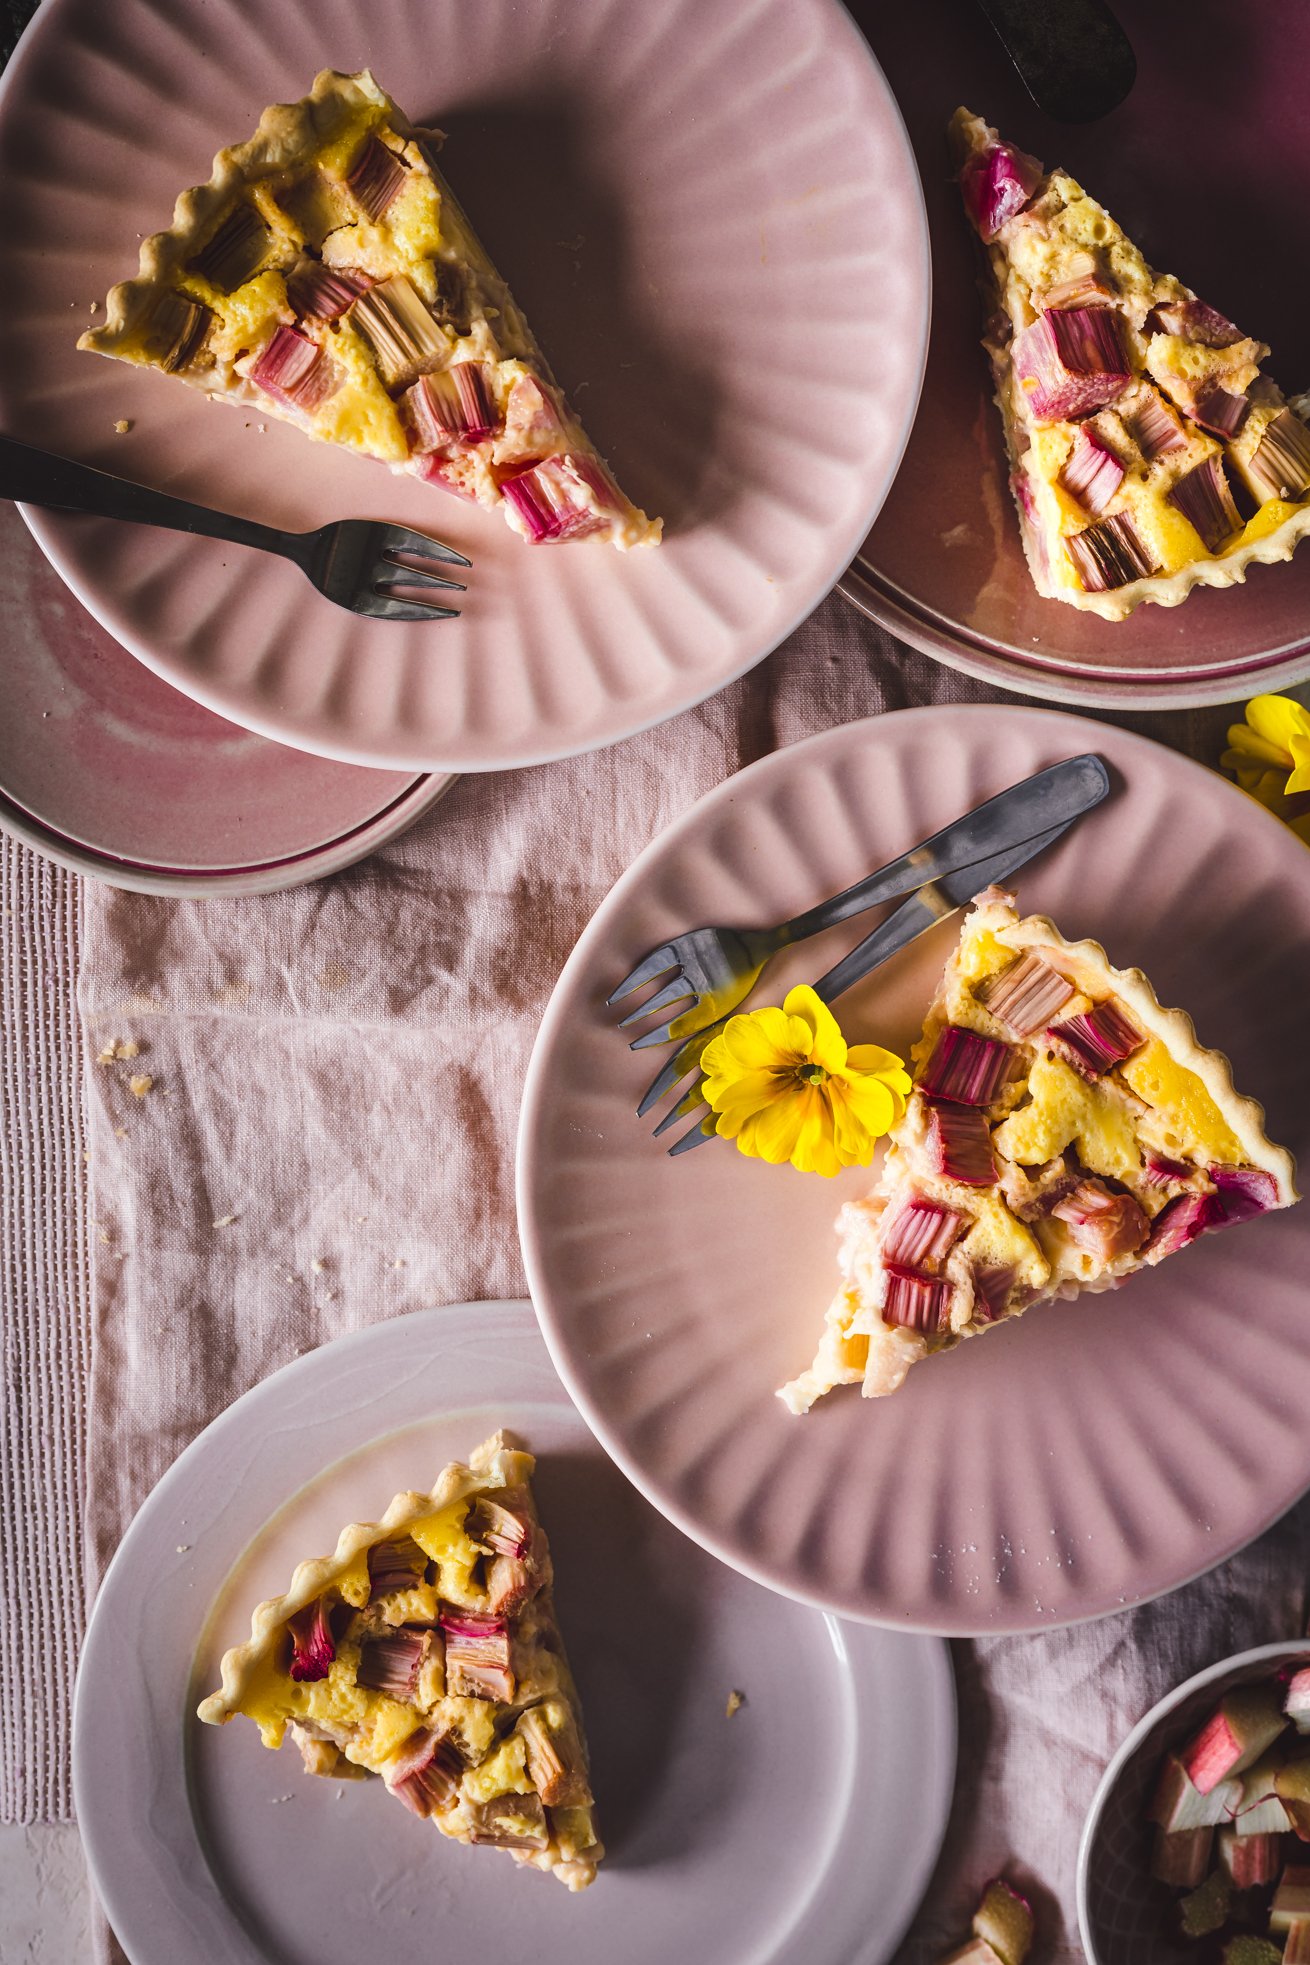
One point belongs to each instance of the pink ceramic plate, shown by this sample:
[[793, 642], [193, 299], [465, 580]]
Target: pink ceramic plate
[[1083, 1458], [710, 213], [114, 773], [755, 1840], [1187, 166]]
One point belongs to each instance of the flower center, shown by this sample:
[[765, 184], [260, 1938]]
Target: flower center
[[813, 1074]]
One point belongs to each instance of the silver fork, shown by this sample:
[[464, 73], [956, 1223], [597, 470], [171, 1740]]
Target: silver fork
[[715, 968], [354, 562]]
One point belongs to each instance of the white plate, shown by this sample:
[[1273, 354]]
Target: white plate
[[713, 219], [779, 1837]]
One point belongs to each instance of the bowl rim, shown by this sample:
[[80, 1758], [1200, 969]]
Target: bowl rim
[[1279, 1651]]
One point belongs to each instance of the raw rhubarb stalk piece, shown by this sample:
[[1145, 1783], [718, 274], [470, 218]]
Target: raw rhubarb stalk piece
[[1246, 1949], [1130, 407], [1297, 1949], [976, 1952], [1181, 1857], [1178, 1803], [1250, 1860], [1292, 1786], [1035, 1166], [1247, 1722], [466, 1709], [1291, 1899], [1296, 1703], [1004, 1920], [1205, 1909], [1261, 1810], [335, 213]]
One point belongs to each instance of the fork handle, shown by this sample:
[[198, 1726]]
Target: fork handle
[[37, 477]]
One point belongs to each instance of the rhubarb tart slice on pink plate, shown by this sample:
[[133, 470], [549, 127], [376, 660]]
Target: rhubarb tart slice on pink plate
[[1064, 1131], [426, 1650], [327, 276], [1148, 452]]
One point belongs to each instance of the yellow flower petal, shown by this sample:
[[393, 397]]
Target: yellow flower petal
[[1278, 720], [871, 1102], [1246, 744], [773, 1133], [826, 1045], [754, 1042]]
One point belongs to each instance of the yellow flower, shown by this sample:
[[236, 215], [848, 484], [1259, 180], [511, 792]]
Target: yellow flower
[[1269, 755], [784, 1084]]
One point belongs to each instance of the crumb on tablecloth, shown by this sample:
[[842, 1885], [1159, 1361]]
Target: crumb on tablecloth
[[736, 1700], [140, 1083]]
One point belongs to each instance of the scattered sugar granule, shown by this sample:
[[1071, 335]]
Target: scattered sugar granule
[[123, 425], [736, 1700], [318, 1266], [139, 1084], [184, 1548]]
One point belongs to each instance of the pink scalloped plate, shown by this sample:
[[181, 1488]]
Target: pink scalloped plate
[[711, 215], [1187, 166], [1085, 1457], [106, 769]]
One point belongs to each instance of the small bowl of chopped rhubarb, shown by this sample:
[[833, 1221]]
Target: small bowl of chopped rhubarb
[[1197, 1844]]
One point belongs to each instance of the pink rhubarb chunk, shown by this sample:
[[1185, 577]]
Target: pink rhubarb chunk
[[323, 293], [562, 498], [916, 1302], [1098, 1040], [452, 405], [1106, 1225], [375, 178], [293, 369], [313, 1649], [1248, 1721], [394, 1566], [1108, 555], [1181, 1856], [1070, 363], [1194, 321], [1154, 427], [960, 1146], [1180, 1221], [1244, 1191], [1291, 1899], [1296, 1700], [1179, 1804], [425, 1775], [1250, 1859], [1092, 474], [996, 184], [965, 1068], [921, 1234], [1029, 993], [391, 1664], [477, 1655], [1205, 501]]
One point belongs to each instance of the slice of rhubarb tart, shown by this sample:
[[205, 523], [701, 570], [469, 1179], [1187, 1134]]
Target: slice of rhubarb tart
[[1064, 1131], [327, 275], [426, 1650], [1147, 451]]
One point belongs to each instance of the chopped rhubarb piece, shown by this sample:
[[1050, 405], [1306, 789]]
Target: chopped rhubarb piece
[[532, 420], [960, 1145], [400, 330], [397, 1565], [1030, 992], [1106, 1225], [511, 1821], [1250, 1860], [991, 1289], [1029, 523], [1292, 1786], [965, 1068], [312, 1646], [1248, 1721], [1244, 1191], [375, 178], [1071, 362], [917, 1302], [1154, 427], [510, 1583], [425, 1775], [1205, 501], [1194, 321], [500, 1528], [1219, 411], [976, 1952], [437, 469], [1181, 1856], [1261, 1809], [1092, 474], [997, 183], [1249, 1950], [1004, 1920], [1098, 1040], [1160, 1171], [921, 1234], [1088, 284], [1109, 555], [236, 251], [1296, 1701], [553, 1754], [1180, 1221], [293, 369], [451, 406], [1280, 467], [392, 1664], [1179, 1804], [477, 1655], [1291, 1898], [1297, 1949], [323, 293], [1206, 1909], [178, 330], [562, 498]]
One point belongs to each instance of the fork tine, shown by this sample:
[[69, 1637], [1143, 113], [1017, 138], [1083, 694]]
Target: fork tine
[[678, 991], [657, 963], [381, 605], [691, 1101], [403, 539], [411, 576], [690, 1140], [677, 1067]]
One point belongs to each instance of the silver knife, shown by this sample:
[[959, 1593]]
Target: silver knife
[[911, 919]]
